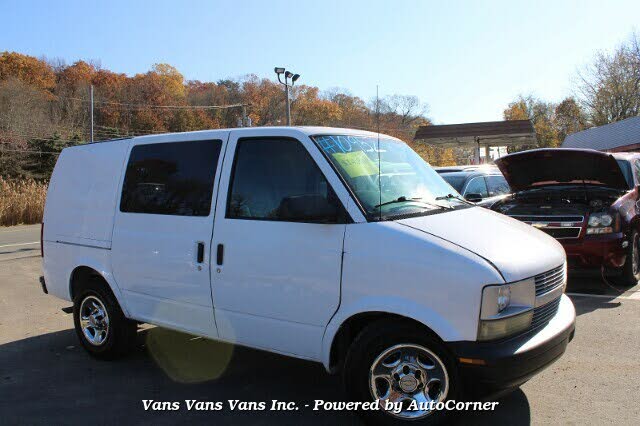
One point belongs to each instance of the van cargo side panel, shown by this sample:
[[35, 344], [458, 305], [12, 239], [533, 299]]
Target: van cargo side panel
[[83, 192]]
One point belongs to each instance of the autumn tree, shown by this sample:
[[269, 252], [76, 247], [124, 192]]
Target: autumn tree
[[569, 117], [30, 70], [540, 113], [609, 87]]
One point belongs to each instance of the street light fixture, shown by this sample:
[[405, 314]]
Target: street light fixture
[[288, 75]]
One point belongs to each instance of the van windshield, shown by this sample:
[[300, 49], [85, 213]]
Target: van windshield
[[401, 184]]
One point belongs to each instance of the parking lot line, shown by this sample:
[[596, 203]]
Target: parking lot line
[[19, 244], [633, 296]]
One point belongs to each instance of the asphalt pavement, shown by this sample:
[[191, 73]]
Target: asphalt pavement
[[19, 241]]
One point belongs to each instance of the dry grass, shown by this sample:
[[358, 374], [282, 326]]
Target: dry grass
[[21, 201]]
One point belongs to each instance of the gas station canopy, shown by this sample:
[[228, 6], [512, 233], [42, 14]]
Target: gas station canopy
[[475, 135], [489, 133]]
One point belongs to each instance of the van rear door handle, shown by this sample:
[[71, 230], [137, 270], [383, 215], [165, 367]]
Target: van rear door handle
[[200, 252], [220, 254]]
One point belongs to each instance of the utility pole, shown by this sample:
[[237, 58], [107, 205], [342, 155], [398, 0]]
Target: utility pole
[[287, 76], [91, 108]]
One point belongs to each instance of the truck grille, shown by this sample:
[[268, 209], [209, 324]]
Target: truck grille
[[534, 218], [558, 233], [543, 314], [559, 227], [549, 280]]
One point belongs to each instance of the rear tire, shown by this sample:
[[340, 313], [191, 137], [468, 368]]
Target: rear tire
[[102, 328], [409, 365], [631, 269]]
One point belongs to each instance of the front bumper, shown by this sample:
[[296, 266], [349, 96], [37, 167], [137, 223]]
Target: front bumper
[[510, 363], [595, 251]]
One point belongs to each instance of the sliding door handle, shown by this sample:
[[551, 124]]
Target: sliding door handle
[[200, 252], [219, 255]]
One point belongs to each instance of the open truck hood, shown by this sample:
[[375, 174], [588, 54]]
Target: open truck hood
[[540, 167]]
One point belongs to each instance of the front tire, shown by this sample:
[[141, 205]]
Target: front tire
[[100, 325], [631, 269], [399, 362]]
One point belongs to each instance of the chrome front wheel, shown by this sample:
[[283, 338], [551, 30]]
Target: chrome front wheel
[[410, 376], [94, 320]]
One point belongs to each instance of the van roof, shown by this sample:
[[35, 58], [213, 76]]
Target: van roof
[[307, 130]]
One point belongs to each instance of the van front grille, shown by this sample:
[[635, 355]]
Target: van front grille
[[543, 314], [550, 280]]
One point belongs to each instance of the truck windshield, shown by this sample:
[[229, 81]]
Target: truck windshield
[[401, 184]]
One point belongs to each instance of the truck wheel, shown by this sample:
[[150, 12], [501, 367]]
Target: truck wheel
[[400, 363], [631, 269], [101, 326]]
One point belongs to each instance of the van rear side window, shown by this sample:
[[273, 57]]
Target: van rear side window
[[173, 178]]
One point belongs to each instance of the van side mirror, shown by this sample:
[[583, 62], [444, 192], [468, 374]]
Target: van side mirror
[[473, 197], [308, 208]]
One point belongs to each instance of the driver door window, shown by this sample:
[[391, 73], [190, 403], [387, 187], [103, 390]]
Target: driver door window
[[276, 179]]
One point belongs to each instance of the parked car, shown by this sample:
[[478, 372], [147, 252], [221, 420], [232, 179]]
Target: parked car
[[586, 199], [483, 185], [281, 239]]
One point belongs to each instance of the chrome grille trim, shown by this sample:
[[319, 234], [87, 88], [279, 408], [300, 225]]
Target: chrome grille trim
[[548, 218], [550, 280], [543, 314]]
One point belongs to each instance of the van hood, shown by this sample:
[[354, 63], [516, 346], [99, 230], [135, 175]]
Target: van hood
[[515, 249], [539, 167]]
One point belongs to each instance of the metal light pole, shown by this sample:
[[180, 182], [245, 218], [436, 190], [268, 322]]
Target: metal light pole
[[91, 111], [287, 76]]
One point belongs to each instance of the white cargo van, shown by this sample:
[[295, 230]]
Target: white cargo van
[[337, 246]]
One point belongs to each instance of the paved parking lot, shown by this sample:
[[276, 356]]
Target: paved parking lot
[[45, 377]]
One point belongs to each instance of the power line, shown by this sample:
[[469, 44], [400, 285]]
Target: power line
[[143, 106], [28, 151]]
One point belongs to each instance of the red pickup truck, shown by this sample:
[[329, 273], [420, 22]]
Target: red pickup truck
[[586, 199]]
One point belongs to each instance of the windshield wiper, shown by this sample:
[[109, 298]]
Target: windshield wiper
[[456, 197], [404, 199]]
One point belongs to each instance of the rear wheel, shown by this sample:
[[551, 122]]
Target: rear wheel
[[399, 363], [631, 269], [101, 326]]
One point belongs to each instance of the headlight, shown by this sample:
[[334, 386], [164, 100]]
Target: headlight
[[506, 309], [504, 297], [600, 223]]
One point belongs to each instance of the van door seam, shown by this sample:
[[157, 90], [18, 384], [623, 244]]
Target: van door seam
[[213, 228]]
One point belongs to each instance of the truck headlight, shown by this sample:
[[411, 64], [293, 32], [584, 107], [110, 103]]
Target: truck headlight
[[600, 223], [506, 309]]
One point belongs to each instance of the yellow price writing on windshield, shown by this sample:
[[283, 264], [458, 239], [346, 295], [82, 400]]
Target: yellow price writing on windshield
[[356, 164]]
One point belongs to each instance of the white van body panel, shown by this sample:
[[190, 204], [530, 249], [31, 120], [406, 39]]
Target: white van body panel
[[83, 193], [78, 214], [62, 259], [279, 284], [396, 269], [516, 249], [154, 256]]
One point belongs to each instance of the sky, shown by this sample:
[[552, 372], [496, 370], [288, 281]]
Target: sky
[[465, 59]]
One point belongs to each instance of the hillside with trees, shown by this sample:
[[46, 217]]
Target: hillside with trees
[[44, 107]]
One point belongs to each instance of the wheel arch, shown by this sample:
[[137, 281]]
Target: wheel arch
[[348, 323], [86, 269]]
